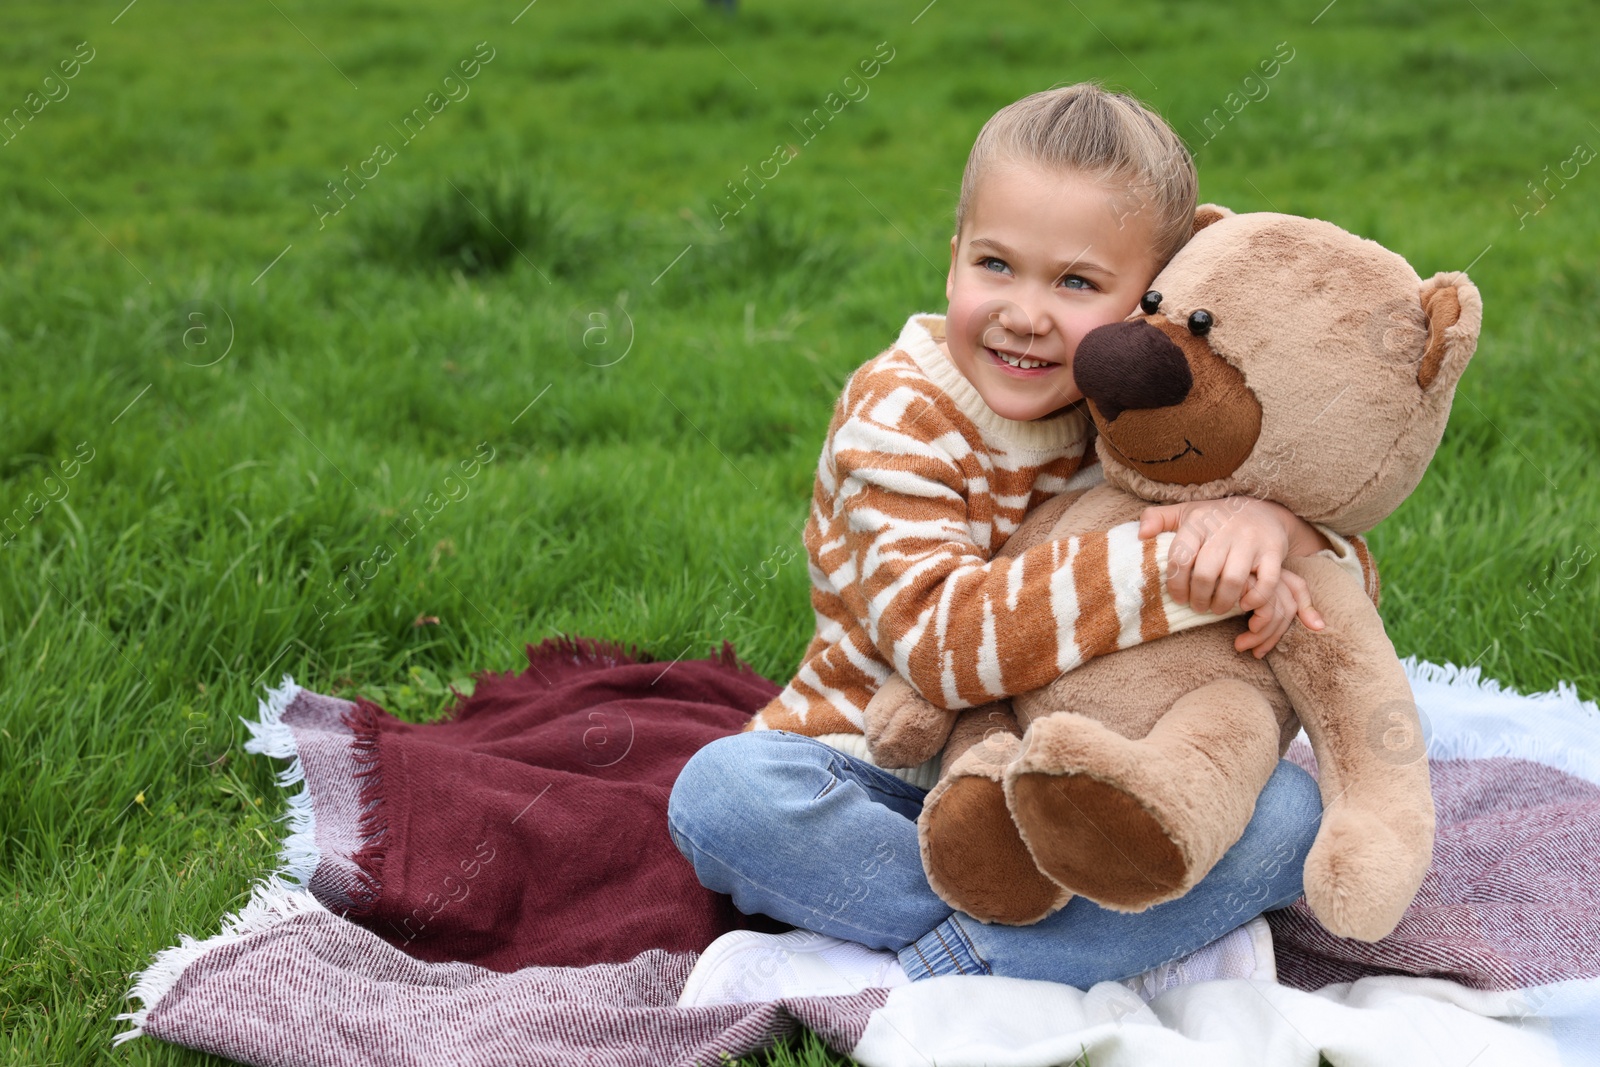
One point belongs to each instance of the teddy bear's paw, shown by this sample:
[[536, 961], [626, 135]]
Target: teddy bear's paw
[[1361, 874], [1096, 839], [908, 744], [903, 729], [974, 859]]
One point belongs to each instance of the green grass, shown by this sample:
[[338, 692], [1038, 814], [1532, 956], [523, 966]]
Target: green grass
[[654, 414]]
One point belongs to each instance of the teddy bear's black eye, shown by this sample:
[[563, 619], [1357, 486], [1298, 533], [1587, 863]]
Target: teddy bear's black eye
[[1200, 322], [1149, 302]]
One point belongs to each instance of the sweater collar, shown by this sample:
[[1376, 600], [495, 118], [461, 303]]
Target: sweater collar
[[922, 339]]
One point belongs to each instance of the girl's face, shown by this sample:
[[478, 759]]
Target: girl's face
[[1043, 258]]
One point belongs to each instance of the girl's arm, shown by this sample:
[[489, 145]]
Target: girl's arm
[[961, 629]]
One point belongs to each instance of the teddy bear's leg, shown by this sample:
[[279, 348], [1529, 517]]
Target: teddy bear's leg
[[1131, 823], [971, 853]]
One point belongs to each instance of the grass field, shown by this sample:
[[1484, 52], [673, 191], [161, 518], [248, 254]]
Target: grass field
[[256, 377]]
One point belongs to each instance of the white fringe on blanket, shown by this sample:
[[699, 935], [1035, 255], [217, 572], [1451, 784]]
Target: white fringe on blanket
[[1484, 719], [272, 899], [270, 736], [271, 902]]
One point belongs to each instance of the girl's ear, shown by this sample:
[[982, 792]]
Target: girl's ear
[[1206, 214]]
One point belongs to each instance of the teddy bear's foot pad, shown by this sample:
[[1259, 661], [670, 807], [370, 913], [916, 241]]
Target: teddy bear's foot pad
[[1102, 843], [975, 860]]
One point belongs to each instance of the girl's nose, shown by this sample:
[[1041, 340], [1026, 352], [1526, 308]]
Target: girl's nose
[[1037, 308], [1024, 320]]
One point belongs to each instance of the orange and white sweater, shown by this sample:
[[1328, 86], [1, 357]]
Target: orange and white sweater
[[918, 486]]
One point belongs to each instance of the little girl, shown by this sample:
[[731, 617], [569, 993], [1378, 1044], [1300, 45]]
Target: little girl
[[1071, 203]]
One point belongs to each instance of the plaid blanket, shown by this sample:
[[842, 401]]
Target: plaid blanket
[[542, 802]]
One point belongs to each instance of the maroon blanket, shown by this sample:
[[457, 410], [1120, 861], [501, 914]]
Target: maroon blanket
[[530, 826]]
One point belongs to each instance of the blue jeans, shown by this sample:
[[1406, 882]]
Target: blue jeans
[[793, 828]]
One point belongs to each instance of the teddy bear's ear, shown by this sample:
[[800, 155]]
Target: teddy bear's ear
[[1206, 214], [1455, 313]]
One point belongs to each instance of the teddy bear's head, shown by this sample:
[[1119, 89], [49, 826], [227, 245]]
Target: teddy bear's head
[[1283, 358]]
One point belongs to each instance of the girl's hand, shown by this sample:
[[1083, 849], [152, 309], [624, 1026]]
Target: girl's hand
[[1271, 619], [1225, 549]]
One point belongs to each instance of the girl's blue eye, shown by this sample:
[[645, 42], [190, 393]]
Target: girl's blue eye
[[1083, 283], [991, 263]]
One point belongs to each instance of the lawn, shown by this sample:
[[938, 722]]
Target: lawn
[[273, 277]]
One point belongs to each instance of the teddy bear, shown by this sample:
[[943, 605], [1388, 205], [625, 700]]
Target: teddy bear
[[1275, 357]]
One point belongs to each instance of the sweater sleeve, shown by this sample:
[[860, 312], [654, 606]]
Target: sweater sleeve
[[961, 628], [1354, 556]]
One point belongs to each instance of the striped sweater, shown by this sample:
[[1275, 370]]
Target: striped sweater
[[919, 486]]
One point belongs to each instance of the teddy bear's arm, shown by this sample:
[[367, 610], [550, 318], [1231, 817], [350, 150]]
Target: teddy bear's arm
[[1352, 697], [903, 729]]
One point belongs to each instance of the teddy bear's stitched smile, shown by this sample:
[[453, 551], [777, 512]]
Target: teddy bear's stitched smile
[[1188, 446]]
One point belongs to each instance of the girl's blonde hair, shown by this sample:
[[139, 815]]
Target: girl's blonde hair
[[1110, 138]]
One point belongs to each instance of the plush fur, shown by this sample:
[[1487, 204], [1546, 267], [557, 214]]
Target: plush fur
[[1324, 383]]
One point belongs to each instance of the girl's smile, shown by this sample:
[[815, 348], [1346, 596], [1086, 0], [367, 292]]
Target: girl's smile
[[1020, 365]]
